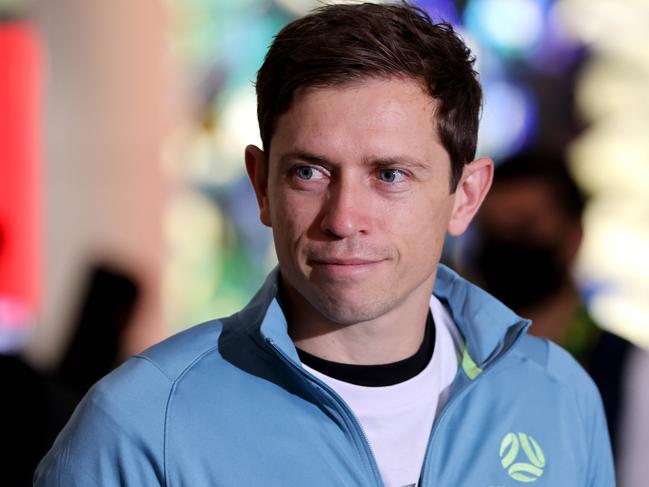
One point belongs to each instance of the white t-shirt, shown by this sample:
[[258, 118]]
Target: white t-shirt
[[397, 419]]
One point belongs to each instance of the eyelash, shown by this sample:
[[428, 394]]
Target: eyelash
[[393, 170], [317, 174], [297, 169], [400, 175]]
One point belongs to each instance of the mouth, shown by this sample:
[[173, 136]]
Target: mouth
[[344, 267], [350, 261]]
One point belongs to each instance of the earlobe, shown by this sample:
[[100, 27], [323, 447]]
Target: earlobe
[[470, 193], [256, 167]]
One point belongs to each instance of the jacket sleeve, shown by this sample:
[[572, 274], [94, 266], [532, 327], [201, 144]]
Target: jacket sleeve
[[601, 472], [116, 435], [595, 459]]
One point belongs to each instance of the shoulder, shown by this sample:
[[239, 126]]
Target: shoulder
[[120, 424], [559, 367], [175, 355], [557, 363], [146, 380], [153, 373]]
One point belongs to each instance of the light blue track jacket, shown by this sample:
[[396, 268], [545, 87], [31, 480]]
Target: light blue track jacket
[[227, 403]]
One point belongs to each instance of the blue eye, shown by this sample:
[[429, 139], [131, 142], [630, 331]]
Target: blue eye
[[305, 172], [390, 175]]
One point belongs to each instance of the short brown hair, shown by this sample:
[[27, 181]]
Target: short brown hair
[[337, 44]]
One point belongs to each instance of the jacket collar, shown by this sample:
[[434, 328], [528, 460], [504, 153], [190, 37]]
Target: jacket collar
[[487, 326]]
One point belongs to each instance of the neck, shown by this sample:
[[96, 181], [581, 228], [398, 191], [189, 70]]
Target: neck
[[391, 337]]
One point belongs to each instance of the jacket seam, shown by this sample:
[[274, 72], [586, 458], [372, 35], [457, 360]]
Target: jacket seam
[[66, 461], [168, 405], [590, 444], [154, 364], [66, 464]]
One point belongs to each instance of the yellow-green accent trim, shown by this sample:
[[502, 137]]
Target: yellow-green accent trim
[[469, 366]]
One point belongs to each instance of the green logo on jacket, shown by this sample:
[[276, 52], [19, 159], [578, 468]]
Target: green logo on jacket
[[531, 466]]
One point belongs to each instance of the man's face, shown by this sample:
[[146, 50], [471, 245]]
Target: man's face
[[358, 197]]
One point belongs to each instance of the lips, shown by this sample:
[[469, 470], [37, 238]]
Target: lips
[[346, 261], [343, 268]]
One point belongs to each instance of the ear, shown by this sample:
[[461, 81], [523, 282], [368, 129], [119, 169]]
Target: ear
[[470, 193], [256, 168]]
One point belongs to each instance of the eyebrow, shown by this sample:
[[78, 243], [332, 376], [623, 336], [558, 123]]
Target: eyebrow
[[303, 156], [399, 161], [389, 161]]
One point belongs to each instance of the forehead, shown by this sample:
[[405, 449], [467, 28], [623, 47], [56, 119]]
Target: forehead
[[371, 115]]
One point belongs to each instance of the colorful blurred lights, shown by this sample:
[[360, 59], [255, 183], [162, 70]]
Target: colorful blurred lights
[[510, 26], [20, 182], [508, 119]]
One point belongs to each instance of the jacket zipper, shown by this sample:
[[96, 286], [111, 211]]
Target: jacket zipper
[[355, 424], [449, 404]]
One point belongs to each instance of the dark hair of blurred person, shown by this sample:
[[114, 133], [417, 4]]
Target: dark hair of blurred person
[[530, 230]]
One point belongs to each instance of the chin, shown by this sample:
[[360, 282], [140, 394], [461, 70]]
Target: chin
[[347, 316], [345, 311]]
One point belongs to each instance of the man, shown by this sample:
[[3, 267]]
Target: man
[[345, 369]]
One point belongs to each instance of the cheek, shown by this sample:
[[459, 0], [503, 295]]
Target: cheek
[[292, 216], [419, 228]]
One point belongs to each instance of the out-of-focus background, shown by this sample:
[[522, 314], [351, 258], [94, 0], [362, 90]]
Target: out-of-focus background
[[125, 212]]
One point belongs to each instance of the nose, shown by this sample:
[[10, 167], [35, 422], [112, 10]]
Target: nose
[[346, 211]]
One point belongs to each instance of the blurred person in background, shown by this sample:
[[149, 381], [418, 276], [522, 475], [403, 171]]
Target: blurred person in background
[[529, 234], [33, 408], [36, 404], [362, 360]]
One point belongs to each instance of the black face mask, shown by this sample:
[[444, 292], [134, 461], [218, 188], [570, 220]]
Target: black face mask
[[519, 273]]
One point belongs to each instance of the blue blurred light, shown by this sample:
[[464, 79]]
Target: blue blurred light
[[440, 10], [508, 121], [558, 51], [510, 26]]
